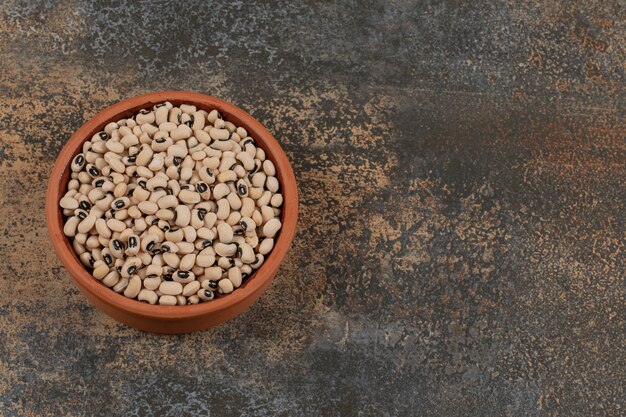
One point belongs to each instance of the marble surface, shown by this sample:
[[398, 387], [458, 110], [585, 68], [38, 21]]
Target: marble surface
[[461, 169]]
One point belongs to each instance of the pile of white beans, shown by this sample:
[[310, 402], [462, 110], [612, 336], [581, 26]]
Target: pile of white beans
[[172, 206]]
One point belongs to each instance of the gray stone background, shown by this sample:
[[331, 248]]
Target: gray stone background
[[461, 168]]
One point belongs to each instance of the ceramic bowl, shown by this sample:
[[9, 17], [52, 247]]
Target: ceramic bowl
[[172, 319]]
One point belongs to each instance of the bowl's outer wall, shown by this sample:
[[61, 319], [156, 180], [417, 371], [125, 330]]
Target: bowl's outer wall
[[171, 319]]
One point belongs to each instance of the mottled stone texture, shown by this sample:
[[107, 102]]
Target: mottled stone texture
[[461, 168]]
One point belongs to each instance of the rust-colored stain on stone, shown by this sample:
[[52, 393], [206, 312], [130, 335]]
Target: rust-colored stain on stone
[[460, 249]]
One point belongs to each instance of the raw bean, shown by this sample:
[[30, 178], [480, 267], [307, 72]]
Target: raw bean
[[225, 232], [148, 296], [121, 285], [276, 200], [133, 288], [268, 168], [234, 275], [223, 209], [148, 207], [183, 277], [271, 227], [70, 226], [68, 203], [191, 288], [111, 279], [271, 183], [181, 132], [246, 253], [187, 262], [213, 273], [258, 261], [171, 259], [171, 288], [219, 134], [266, 246], [167, 300], [86, 225], [152, 283], [189, 197], [205, 295], [205, 260], [116, 225], [227, 176], [224, 249], [225, 286]]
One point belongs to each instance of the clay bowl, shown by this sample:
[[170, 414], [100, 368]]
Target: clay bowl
[[171, 319]]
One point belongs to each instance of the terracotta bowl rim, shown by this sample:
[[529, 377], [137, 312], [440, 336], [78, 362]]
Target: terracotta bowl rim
[[124, 108]]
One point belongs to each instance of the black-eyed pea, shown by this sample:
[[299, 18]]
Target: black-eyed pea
[[225, 249], [267, 212], [130, 266], [116, 225], [181, 132], [111, 279], [223, 209], [171, 259], [257, 217], [149, 242], [121, 285], [134, 287], [87, 223], [224, 232], [266, 246], [230, 127], [268, 168], [225, 286], [147, 296], [68, 202], [183, 216], [265, 198], [271, 228], [70, 227], [192, 300], [152, 283], [140, 224], [133, 245], [148, 207], [141, 194], [189, 233], [203, 189], [116, 247], [271, 183], [233, 200], [258, 261], [171, 288], [234, 275], [165, 214], [167, 300], [100, 270], [255, 192], [187, 262], [78, 162], [205, 233], [183, 277], [258, 179], [220, 191], [276, 200], [144, 172], [92, 242], [185, 247], [191, 288], [227, 176], [219, 134], [205, 260], [120, 202], [189, 197], [175, 235], [205, 295], [170, 247], [213, 273], [181, 300], [146, 259], [225, 263], [247, 207], [209, 219], [277, 212], [86, 259], [95, 195], [121, 215], [81, 238], [245, 253], [242, 188]]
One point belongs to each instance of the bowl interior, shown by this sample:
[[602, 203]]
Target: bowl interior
[[60, 176]]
